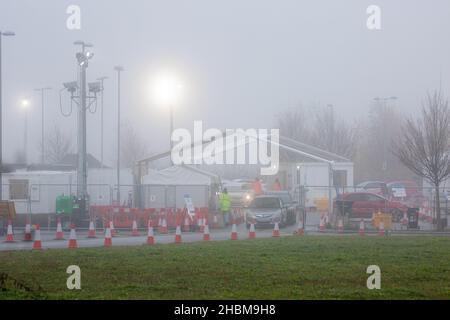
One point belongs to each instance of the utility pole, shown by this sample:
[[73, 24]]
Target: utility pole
[[101, 79], [83, 63], [6, 34], [119, 69], [41, 90]]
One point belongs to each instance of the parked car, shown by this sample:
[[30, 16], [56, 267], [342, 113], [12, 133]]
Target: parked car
[[377, 187], [357, 205], [266, 210], [406, 191]]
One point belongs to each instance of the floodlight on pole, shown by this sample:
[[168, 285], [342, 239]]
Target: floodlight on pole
[[6, 34], [25, 105], [42, 90], [119, 69], [101, 79]]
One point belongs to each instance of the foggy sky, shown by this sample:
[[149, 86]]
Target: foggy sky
[[241, 62]]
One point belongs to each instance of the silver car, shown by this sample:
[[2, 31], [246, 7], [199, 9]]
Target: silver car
[[266, 210]]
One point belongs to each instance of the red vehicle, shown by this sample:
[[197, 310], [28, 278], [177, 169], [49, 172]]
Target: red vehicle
[[357, 205], [406, 191]]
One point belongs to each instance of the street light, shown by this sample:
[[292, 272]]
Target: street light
[[384, 102], [167, 91], [119, 69], [41, 90], [25, 104], [6, 34], [101, 79]]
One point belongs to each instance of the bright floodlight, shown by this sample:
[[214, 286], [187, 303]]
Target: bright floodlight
[[167, 89], [25, 103]]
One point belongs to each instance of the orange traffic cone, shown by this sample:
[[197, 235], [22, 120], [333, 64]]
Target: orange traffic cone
[[178, 235], [112, 229], [59, 232], [234, 235], [135, 231], [201, 223], [361, 228], [37, 245], [206, 236], [73, 238], [300, 230], [404, 220], [108, 237], [150, 236], [381, 229], [163, 227], [340, 226], [91, 232], [187, 224], [215, 222], [276, 230], [27, 235], [9, 234], [322, 224], [252, 232]]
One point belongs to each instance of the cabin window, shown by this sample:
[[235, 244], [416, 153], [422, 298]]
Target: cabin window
[[18, 189]]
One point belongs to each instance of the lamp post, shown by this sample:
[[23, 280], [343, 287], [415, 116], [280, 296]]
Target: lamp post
[[25, 104], [119, 69], [6, 34], [384, 102], [101, 79], [41, 90]]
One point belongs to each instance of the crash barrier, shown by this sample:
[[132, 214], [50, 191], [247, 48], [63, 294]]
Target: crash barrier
[[123, 217]]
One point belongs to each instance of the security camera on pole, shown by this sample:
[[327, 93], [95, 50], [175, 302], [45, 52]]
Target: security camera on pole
[[79, 95]]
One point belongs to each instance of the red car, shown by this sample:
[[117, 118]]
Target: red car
[[358, 205]]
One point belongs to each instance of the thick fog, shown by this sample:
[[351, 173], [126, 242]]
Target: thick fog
[[240, 62]]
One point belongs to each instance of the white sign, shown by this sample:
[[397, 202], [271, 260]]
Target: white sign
[[399, 192], [189, 205]]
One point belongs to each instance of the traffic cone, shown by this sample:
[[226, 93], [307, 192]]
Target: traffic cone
[[206, 236], [276, 230], [404, 220], [201, 225], [59, 232], [252, 232], [150, 236], [340, 226], [27, 235], [163, 227], [112, 229], [73, 238], [135, 231], [108, 237], [234, 235], [178, 235], [322, 224], [300, 230], [37, 245], [381, 229], [91, 232], [187, 224], [215, 222], [361, 228], [9, 234]]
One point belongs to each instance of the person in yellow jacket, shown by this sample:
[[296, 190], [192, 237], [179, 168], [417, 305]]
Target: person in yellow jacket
[[225, 206]]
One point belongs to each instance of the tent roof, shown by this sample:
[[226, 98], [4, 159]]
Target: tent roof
[[178, 175]]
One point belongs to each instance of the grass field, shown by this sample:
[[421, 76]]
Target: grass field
[[315, 267]]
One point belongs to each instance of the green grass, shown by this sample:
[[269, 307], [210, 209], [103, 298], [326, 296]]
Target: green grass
[[314, 267]]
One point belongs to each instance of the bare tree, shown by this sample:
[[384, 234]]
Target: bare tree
[[57, 145], [425, 145], [332, 134], [133, 148], [319, 128]]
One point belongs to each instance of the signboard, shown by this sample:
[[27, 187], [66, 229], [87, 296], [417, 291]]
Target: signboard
[[189, 205], [399, 192]]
